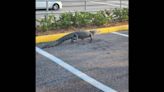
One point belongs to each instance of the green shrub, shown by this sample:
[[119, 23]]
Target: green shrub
[[120, 14], [125, 13], [46, 23], [100, 18], [65, 20], [82, 19], [108, 12]]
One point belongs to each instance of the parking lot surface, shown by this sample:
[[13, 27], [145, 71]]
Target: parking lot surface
[[105, 60]]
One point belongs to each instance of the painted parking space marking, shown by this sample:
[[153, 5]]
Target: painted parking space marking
[[125, 35], [107, 4], [76, 72]]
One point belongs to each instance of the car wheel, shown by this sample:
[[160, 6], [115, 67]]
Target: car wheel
[[55, 7]]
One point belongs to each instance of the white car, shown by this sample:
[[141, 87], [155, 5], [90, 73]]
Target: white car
[[52, 4]]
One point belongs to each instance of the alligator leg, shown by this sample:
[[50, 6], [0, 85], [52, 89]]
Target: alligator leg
[[91, 37], [75, 37], [72, 40]]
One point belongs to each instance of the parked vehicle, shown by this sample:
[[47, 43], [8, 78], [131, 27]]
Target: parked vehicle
[[52, 4]]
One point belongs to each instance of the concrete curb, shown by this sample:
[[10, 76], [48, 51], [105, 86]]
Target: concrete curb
[[48, 38]]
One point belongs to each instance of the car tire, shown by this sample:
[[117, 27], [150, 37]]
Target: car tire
[[55, 7]]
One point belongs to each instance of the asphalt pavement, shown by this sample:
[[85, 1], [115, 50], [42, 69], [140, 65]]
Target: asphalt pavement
[[105, 60]]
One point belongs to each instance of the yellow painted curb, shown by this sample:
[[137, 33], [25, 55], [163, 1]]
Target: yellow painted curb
[[112, 29], [47, 38]]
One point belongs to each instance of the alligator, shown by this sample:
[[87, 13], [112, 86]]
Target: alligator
[[73, 37]]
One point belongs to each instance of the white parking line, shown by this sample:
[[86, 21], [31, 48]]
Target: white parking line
[[120, 34], [108, 4], [75, 71], [122, 2]]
